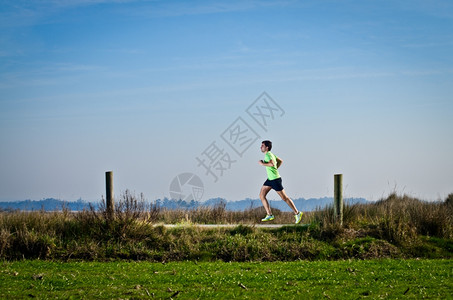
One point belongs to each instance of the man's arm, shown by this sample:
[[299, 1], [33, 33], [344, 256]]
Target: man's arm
[[266, 164], [279, 162]]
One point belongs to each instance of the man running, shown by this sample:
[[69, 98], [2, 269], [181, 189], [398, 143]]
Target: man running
[[274, 181]]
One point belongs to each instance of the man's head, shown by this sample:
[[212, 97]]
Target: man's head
[[266, 146]]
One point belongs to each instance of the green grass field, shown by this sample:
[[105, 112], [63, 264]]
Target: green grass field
[[349, 279], [396, 248]]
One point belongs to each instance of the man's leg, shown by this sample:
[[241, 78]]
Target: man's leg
[[288, 200], [263, 193]]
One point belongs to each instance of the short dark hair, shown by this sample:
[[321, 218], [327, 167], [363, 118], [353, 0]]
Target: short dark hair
[[268, 144]]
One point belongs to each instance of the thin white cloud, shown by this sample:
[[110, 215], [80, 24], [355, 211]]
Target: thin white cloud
[[28, 12], [434, 8], [447, 42], [20, 13], [182, 8], [48, 75]]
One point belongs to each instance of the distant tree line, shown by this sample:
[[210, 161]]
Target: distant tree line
[[52, 204]]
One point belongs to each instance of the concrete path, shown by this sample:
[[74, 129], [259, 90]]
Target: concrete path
[[229, 225]]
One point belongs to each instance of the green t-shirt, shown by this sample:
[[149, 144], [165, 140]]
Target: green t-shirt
[[272, 172]]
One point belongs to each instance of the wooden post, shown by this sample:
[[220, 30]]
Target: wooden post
[[338, 198], [109, 194]]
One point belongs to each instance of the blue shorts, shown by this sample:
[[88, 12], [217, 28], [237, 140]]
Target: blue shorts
[[276, 184]]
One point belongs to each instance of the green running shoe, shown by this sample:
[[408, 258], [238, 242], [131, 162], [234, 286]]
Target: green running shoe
[[298, 217], [268, 218]]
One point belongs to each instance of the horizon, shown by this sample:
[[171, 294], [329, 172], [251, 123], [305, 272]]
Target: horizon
[[52, 204], [197, 201], [175, 97]]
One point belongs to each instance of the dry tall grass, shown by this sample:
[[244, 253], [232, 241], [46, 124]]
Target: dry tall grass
[[398, 219], [396, 222]]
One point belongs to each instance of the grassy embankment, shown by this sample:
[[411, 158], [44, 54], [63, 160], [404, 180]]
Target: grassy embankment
[[395, 227]]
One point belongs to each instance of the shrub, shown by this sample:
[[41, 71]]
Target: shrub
[[397, 226]]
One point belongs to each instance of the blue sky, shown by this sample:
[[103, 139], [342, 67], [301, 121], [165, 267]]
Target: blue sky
[[143, 88]]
